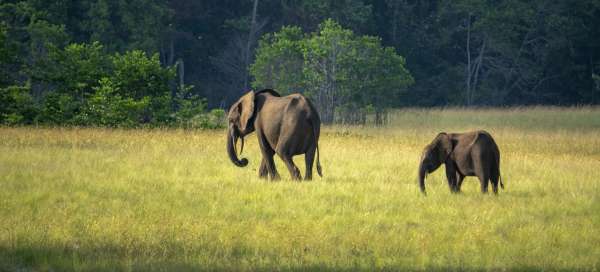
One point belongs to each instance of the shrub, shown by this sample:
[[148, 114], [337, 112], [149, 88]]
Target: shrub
[[106, 107], [58, 109], [207, 120], [89, 87], [16, 105]]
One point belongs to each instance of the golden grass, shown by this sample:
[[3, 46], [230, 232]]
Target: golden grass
[[102, 199]]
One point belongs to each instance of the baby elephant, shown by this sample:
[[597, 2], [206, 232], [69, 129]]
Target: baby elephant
[[464, 154]]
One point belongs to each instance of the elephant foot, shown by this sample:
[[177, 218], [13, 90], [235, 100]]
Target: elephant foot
[[263, 177], [297, 177], [275, 177]]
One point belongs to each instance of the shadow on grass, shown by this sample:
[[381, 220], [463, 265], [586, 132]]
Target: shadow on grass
[[113, 259]]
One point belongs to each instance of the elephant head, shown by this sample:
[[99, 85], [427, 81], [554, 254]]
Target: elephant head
[[433, 156], [239, 125]]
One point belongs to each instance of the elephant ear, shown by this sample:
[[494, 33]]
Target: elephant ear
[[246, 109], [445, 144]]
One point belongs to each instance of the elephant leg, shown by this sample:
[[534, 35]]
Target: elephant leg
[[459, 181], [267, 153], [452, 185], [483, 179], [294, 171], [495, 186], [309, 158], [451, 176], [494, 179], [263, 171], [271, 169], [285, 148], [482, 172]]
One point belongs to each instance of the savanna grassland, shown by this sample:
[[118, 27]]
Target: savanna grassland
[[111, 199]]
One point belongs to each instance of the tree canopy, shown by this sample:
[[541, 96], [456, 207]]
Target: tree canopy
[[336, 68], [463, 52]]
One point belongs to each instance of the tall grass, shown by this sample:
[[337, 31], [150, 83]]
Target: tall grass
[[101, 199]]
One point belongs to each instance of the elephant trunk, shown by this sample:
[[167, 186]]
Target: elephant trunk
[[232, 138], [422, 175]]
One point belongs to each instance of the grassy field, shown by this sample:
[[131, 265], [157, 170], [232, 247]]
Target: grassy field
[[102, 199]]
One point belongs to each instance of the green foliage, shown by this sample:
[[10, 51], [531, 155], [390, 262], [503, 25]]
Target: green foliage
[[333, 66], [188, 105], [93, 88], [279, 61], [59, 109], [16, 105], [460, 52], [213, 119], [137, 75], [7, 56], [191, 111], [353, 14], [75, 70], [106, 107]]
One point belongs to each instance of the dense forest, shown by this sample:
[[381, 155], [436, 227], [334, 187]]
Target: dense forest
[[128, 62]]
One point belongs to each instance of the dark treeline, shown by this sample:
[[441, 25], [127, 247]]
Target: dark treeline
[[80, 58]]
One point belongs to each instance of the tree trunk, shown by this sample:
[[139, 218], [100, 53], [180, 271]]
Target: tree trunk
[[394, 22], [250, 41], [181, 73], [472, 69], [468, 68], [171, 52], [476, 72]]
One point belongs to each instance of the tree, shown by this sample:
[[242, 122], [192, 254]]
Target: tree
[[333, 66], [7, 57], [308, 14], [74, 70], [279, 61], [462, 52], [137, 76], [233, 62], [16, 105]]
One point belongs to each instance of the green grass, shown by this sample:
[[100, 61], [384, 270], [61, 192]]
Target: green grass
[[102, 199]]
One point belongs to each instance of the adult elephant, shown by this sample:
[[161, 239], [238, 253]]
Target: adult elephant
[[286, 126], [464, 154]]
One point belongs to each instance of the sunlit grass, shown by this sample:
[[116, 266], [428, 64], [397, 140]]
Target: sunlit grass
[[101, 199]]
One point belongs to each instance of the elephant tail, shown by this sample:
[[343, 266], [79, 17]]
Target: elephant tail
[[316, 128], [499, 174], [319, 171]]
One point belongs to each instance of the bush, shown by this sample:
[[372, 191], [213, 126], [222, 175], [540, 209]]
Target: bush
[[90, 87], [136, 75], [58, 109], [74, 70], [16, 105], [332, 66], [106, 107], [207, 120], [191, 113]]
